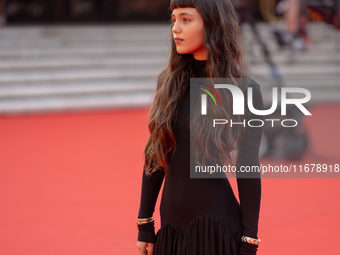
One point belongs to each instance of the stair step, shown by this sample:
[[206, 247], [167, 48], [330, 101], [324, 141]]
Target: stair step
[[78, 74], [63, 103], [74, 51], [314, 70], [76, 88], [79, 62]]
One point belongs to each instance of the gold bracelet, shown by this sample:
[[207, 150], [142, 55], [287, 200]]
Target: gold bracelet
[[138, 219], [140, 223], [248, 239], [144, 220]]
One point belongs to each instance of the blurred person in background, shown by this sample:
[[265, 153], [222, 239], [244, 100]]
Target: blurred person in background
[[2, 13], [295, 13], [245, 10], [207, 44]]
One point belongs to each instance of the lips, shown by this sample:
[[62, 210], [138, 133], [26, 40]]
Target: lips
[[177, 39]]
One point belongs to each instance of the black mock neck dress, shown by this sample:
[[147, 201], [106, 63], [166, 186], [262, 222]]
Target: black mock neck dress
[[202, 216]]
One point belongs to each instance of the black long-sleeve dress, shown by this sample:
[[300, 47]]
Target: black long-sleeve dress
[[202, 216]]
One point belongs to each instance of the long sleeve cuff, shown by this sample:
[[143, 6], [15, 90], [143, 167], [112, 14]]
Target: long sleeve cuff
[[146, 233], [247, 249]]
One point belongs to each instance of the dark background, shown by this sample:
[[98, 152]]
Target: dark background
[[90, 11]]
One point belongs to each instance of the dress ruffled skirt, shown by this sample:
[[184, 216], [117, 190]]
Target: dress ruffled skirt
[[206, 235]]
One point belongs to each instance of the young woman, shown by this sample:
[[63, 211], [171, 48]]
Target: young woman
[[199, 216]]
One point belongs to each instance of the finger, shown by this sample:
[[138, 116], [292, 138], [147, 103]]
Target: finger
[[150, 248], [142, 251], [141, 246]]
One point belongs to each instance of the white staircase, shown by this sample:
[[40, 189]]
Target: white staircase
[[57, 68]]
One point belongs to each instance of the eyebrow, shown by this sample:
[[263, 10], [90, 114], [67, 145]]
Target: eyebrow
[[182, 13]]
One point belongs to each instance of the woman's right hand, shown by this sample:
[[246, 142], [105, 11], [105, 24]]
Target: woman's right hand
[[145, 248]]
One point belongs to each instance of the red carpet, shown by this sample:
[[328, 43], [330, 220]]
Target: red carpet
[[70, 184]]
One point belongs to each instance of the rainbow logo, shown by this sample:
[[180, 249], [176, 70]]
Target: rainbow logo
[[215, 92]]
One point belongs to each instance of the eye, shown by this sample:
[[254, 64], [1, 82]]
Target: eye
[[185, 20]]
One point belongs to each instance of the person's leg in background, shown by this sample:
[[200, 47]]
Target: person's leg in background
[[304, 23], [296, 18], [2, 12], [292, 16]]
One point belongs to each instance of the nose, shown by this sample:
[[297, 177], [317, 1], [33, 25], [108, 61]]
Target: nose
[[175, 29]]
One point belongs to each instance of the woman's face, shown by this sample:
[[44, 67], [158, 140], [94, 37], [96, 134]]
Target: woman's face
[[188, 26]]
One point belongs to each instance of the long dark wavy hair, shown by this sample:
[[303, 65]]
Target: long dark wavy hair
[[222, 41]]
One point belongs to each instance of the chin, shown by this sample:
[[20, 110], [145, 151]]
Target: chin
[[183, 51]]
